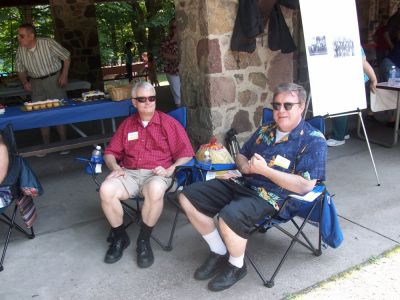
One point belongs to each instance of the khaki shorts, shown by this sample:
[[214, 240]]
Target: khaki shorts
[[135, 180], [48, 88]]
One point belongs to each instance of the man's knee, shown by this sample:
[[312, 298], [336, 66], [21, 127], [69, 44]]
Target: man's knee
[[155, 189], [109, 191]]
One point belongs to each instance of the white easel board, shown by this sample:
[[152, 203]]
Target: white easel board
[[334, 56]]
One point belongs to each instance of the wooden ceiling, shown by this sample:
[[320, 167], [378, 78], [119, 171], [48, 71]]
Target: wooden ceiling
[[8, 3]]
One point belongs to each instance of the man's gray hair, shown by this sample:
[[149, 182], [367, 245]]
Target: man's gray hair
[[29, 28], [143, 85], [292, 88]]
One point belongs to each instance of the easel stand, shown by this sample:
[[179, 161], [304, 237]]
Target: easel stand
[[358, 112]]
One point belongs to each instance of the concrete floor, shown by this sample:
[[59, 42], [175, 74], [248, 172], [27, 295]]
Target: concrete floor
[[65, 260]]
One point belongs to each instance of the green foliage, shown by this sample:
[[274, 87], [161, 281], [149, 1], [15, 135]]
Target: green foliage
[[120, 22], [142, 22]]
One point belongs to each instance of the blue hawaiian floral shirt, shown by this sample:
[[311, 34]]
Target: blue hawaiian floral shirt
[[303, 149]]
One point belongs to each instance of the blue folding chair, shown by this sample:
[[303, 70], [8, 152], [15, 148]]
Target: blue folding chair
[[315, 207], [11, 184], [133, 211], [317, 122]]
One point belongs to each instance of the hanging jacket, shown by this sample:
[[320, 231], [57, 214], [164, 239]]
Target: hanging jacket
[[250, 22]]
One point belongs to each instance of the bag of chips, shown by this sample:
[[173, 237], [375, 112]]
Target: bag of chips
[[219, 155]]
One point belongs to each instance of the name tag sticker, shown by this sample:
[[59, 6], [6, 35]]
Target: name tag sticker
[[282, 162], [133, 136]]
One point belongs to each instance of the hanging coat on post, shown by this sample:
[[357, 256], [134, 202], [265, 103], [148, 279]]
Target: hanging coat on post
[[251, 19]]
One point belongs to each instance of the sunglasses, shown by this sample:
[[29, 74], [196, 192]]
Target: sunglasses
[[286, 105], [143, 99]]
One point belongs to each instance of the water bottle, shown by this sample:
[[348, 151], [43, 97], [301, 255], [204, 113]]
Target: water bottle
[[96, 160], [392, 76], [207, 162]]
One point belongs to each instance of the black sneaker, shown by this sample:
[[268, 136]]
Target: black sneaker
[[211, 266], [117, 247], [227, 277], [145, 257]]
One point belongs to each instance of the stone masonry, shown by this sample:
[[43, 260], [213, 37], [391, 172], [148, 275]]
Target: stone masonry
[[76, 29], [221, 89]]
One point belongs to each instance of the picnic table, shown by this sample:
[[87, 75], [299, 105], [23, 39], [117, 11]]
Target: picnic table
[[119, 72], [70, 113]]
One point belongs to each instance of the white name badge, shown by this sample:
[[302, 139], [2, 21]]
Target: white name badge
[[282, 162], [133, 136]]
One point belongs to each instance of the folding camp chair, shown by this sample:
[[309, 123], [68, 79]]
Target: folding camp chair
[[316, 206], [311, 207], [133, 211], [11, 184], [294, 207]]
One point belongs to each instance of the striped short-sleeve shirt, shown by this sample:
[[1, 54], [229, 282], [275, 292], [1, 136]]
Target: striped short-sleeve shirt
[[45, 58]]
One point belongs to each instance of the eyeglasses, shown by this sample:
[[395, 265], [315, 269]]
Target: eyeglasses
[[286, 105], [143, 99]]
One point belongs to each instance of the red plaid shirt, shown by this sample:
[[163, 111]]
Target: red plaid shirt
[[160, 143]]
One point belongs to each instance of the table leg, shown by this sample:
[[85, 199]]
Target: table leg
[[396, 123], [113, 124], [395, 130], [80, 132]]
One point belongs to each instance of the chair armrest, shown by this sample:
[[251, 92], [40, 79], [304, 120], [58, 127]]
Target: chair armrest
[[295, 203], [215, 167], [312, 195], [187, 165]]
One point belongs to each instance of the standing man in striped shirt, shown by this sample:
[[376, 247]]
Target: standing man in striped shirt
[[42, 65]]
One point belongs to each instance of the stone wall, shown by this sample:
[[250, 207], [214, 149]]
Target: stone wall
[[76, 29], [221, 89]]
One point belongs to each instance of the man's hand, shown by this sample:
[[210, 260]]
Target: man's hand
[[230, 174], [160, 171], [63, 80], [116, 173], [257, 164], [27, 86]]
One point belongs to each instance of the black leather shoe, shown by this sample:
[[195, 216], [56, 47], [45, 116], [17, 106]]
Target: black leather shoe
[[145, 257], [211, 266], [227, 277], [117, 247]]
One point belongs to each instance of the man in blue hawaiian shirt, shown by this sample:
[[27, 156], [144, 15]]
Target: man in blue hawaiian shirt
[[282, 157]]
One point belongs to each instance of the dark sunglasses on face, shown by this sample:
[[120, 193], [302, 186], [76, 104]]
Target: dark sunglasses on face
[[143, 99], [286, 105]]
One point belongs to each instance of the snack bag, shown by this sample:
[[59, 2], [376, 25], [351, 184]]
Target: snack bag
[[219, 155]]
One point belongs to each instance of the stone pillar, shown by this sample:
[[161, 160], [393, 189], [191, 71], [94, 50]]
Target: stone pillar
[[76, 29], [220, 91]]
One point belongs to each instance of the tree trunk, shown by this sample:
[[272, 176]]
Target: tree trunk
[[138, 27], [26, 13], [114, 44], [152, 9]]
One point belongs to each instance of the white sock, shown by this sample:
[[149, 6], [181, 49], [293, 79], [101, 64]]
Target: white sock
[[236, 261], [215, 242]]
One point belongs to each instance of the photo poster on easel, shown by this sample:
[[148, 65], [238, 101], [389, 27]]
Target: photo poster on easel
[[334, 58]]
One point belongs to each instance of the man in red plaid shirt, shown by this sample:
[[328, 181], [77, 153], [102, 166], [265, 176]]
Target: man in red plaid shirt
[[142, 156]]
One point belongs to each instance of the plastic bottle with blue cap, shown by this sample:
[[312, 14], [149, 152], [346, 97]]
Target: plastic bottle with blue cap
[[392, 76], [96, 161]]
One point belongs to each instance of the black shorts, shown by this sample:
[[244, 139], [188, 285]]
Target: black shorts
[[238, 206]]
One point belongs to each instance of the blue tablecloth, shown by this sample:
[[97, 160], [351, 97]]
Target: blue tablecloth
[[71, 112]]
